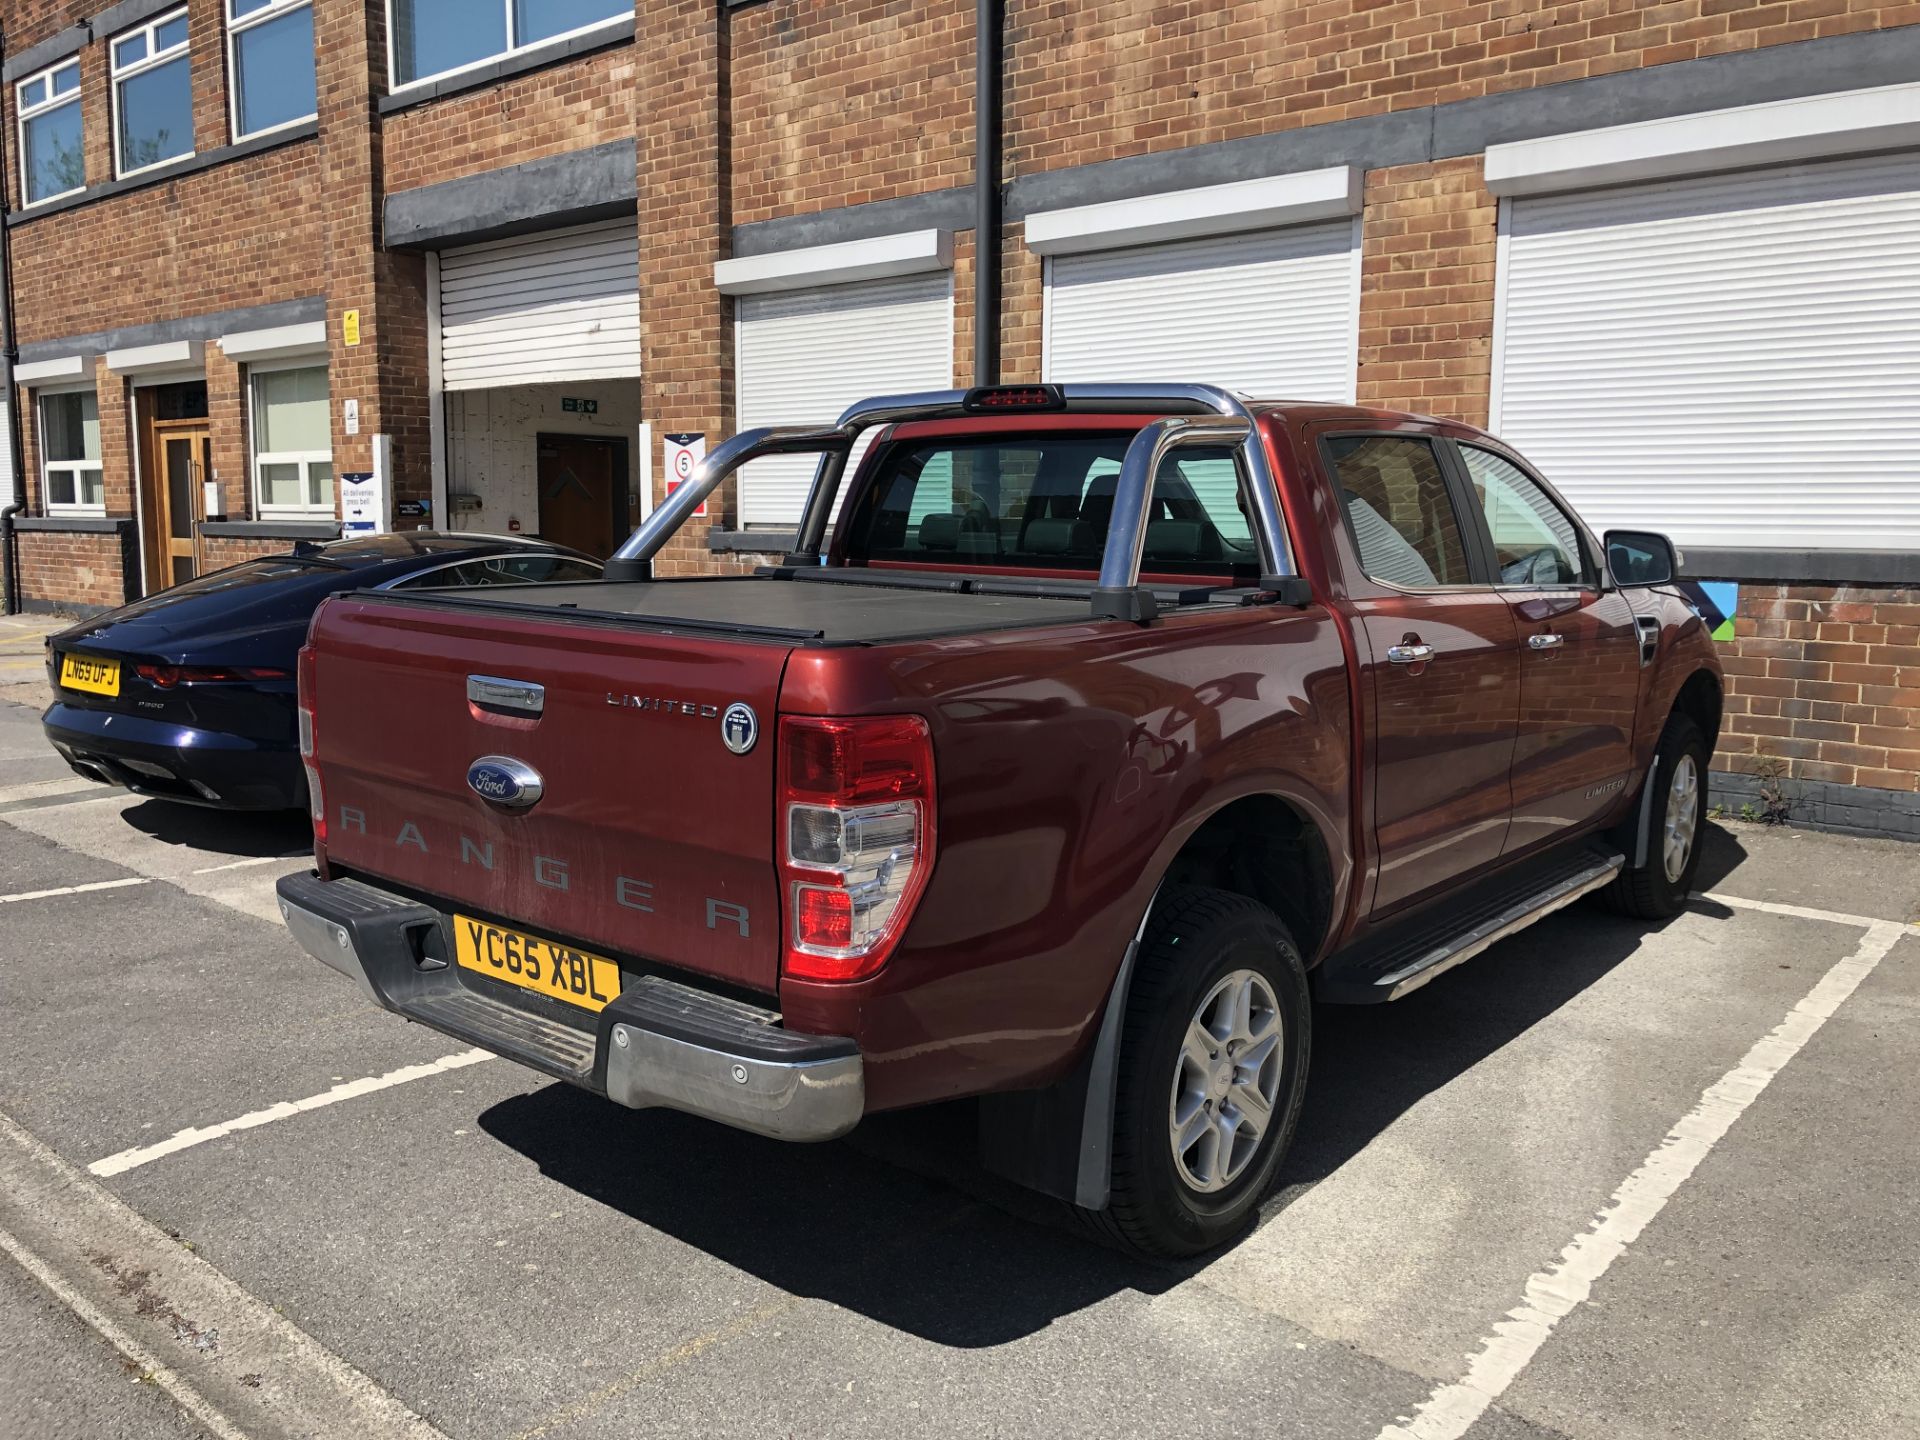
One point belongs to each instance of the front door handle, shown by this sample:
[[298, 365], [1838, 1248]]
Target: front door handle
[[1409, 654], [1546, 640]]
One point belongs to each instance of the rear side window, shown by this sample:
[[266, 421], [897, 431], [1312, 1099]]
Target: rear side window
[[1400, 510], [1045, 502], [1534, 542]]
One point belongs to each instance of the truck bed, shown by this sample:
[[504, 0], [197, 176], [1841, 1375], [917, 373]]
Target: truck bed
[[812, 607]]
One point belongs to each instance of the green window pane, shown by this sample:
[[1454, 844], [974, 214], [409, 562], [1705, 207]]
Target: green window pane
[[290, 411]]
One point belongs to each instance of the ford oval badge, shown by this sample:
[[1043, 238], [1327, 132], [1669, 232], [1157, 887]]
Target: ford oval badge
[[504, 780]]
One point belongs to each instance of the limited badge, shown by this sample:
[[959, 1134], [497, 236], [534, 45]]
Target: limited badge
[[739, 727]]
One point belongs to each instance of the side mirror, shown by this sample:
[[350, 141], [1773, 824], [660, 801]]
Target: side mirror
[[1638, 558]]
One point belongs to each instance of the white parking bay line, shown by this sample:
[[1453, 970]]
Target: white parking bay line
[[140, 1155], [248, 864], [1555, 1292], [1798, 912], [77, 889]]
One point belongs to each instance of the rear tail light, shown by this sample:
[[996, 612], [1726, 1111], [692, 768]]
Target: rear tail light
[[168, 676], [309, 732], [856, 838]]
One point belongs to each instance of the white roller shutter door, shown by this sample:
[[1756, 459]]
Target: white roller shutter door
[[560, 305], [803, 356], [1735, 359], [1273, 313]]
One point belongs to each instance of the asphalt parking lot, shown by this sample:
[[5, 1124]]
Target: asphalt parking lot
[[1605, 1181]]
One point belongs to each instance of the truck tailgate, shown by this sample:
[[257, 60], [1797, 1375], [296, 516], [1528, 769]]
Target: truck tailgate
[[650, 839]]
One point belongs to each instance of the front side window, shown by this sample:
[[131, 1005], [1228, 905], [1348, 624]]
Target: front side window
[[436, 37], [1045, 501], [1534, 542], [273, 64], [152, 95], [70, 452], [1400, 510], [292, 442], [52, 159]]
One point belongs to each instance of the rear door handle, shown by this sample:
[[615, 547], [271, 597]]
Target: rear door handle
[[1409, 654], [1546, 640]]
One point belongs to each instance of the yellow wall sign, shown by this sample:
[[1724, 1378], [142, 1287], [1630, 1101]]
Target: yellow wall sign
[[350, 327]]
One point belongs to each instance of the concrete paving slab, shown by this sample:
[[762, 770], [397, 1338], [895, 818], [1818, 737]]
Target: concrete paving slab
[[1187, 1362], [61, 1381], [1876, 878], [1774, 1297], [24, 752], [1456, 1139]]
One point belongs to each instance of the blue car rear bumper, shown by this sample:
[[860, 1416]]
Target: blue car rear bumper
[[176, 762]]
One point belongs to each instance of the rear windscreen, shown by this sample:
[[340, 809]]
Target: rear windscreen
[[1044, 502]]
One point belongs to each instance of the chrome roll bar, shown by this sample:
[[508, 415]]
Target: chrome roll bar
[[1195, 415], [1118, 594], [636, 552]]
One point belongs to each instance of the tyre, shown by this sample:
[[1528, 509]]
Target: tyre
[[1213, 1068], [1658, 890]]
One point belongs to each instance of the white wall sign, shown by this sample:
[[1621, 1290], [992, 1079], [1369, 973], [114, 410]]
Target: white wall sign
[[684, 452], [350, 416], [366, 496]]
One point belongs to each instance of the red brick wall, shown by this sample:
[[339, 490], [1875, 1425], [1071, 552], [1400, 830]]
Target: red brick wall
[[686, 342], [219, 551], [69, 570], [1427, 240], [837, 102], [248, 233], [1823, 683], [575, 106], [1105, 78]]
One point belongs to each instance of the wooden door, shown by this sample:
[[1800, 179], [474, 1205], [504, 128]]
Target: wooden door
[[582, 484], [181, 452]]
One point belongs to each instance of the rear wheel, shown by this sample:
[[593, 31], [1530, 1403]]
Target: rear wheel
[[1658, 888], [1213, 1071]]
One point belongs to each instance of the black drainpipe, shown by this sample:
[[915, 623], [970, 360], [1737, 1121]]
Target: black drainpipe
[[989, 22], [11, 352]]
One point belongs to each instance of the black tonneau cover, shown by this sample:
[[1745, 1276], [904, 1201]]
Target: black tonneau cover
[[774, 608]]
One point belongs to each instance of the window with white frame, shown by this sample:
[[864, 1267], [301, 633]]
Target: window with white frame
[[292, 441], [53, 161], [70, 452], [152, 95], [430, 38], [272, 64]]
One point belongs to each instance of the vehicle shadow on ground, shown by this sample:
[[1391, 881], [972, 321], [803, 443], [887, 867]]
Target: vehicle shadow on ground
[[899, 1223], [243, 834]]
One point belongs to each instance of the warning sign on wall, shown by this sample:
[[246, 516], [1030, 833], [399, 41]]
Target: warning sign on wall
[[684, 452]]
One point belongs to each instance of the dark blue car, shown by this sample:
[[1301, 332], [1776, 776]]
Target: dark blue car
[[189, 694]]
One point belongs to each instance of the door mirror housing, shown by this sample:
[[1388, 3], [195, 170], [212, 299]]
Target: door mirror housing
[[1639, 558]]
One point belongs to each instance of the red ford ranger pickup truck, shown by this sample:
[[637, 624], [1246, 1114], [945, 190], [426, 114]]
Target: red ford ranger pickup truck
[[1113, 725]]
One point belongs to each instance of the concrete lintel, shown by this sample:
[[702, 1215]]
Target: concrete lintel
[[1808, 127], [62, 367], [572, 188], [279, 342], [167, 355], [1238, 205], [911, 253]]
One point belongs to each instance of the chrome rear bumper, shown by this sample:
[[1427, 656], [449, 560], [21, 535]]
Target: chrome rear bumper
[[659, 1044]]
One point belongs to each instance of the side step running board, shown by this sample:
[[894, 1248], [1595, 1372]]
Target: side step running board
[[1400, 963]]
